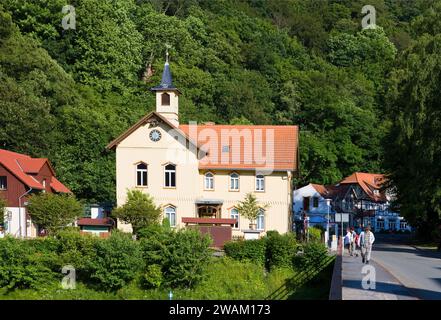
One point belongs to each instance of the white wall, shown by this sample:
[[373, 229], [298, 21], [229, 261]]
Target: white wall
[[14, 225], [309, 191]]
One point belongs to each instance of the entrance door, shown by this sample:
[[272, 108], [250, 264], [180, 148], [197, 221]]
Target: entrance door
[[209, 211]]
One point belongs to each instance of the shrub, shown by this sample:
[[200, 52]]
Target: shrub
[[252, 250], [315, 234], [54, 212], [118, 260], [182, 255], [280, 250], [185, 258], [139, 210], [313, 254], [152, 277], [77, 250], [21, 266]]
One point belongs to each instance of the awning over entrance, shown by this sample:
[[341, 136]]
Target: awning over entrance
[[209, 201]]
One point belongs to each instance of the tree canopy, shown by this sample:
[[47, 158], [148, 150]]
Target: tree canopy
[[64, 94]]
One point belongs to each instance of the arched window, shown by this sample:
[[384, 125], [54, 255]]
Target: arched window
[[141, 175], [170, 176], [235, 215], [260, 182], [234, 181], [209, 181], [261, 220], [170, 214], [165, 99]]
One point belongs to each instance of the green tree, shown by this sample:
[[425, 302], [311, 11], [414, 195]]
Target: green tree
[[53, 212], [413, 148], [250, 208], [139, 210]]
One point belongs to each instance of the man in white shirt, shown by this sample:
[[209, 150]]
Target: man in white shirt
[[365, 241]]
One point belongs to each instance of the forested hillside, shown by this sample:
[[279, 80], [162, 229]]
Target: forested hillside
[[64, 94]]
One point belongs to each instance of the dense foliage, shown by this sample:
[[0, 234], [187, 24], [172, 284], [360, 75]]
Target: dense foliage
[[139, 210], [52, 212], [64, 94], [162, 261]]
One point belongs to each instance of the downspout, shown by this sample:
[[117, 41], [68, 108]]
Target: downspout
[[19, 211]]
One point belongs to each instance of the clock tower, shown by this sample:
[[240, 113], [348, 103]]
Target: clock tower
[[167, 96]]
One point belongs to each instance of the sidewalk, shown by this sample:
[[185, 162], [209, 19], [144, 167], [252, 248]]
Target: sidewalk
[[387, 286]]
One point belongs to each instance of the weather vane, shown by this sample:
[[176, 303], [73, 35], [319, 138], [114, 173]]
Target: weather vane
[[167, 46]]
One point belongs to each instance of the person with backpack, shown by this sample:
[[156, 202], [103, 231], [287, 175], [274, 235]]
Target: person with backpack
[[365, 241]]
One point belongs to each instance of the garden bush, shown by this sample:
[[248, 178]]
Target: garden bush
[[77, 250], [118, 261], [251, 250], [182, 255], [186, 257], [152, 277], [315, 234], [22, 267], [280, 250], [313, 254]]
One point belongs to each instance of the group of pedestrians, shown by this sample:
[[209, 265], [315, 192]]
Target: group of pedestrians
[[362, 243]]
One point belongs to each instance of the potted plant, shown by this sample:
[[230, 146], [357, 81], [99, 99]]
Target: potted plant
[[249, 208]]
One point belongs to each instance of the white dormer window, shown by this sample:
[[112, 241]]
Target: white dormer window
[[165, 99]]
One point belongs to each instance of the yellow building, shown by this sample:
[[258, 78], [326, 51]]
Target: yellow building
[[199, 172]]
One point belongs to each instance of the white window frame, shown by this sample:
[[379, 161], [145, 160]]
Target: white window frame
[[169, 172], [208, 181], [5, 186], [260, 221], [141, 171], [260, 183], [234, 214], [234, 182], [170, 210]]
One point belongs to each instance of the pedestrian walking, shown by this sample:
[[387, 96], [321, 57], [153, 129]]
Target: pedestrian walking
[[365, 241], [353, 245], [347, 240]]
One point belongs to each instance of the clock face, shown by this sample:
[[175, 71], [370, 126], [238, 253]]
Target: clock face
[[155, 135]]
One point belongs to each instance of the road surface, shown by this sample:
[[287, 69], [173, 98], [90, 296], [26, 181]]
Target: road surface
[[419, 270]]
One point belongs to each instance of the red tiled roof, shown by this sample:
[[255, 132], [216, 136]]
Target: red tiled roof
[[320, 189], [22, 166], [106, 222], [57, 186], [247, 146], [209, 221], [368, 182]]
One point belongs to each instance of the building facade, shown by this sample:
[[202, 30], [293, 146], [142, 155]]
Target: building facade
[[20, 177], [362, 196], [202, 171]]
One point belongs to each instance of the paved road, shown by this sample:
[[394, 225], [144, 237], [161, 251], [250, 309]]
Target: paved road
[[419, 270]]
